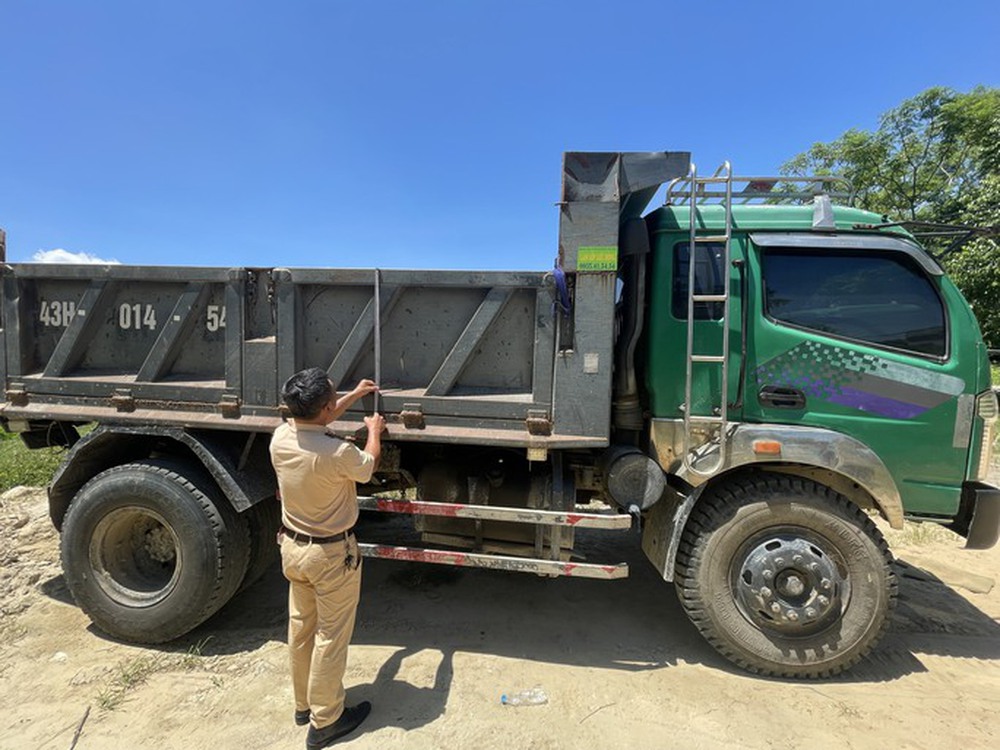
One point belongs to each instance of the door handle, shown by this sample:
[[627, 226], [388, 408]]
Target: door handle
[[782, 397]]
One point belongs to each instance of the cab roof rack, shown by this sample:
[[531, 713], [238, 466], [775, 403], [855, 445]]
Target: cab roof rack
[[787, 189], [929, 232]]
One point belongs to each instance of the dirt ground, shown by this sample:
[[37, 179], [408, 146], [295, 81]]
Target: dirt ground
[[435, 648]]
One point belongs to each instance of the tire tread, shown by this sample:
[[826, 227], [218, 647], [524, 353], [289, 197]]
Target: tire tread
[[714, 509], [229, 532]]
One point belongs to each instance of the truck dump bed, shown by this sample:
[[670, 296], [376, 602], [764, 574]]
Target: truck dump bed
[[487, 358], [464, 356]]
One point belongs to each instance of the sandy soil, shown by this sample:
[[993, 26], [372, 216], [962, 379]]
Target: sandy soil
[[435, 648]]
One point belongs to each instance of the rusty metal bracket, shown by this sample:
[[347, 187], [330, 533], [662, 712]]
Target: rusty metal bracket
[[123, 400], [413, 417], [16, 395], [229, 406], [538, 422]]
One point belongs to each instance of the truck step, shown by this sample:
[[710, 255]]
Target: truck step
[[705, 419]]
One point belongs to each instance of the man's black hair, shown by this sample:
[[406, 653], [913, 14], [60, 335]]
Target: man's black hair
[[307, 392]]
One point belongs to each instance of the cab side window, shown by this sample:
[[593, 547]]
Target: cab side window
[[709, 278], [883, 299]]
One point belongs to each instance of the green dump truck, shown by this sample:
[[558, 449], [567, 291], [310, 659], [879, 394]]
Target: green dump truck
[[749, 373]]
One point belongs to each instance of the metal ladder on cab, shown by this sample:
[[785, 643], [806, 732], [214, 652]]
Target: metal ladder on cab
[[695, 455]]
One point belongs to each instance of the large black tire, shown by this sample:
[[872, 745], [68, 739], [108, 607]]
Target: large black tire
[[263, 520], [151, 550], [785, 577]]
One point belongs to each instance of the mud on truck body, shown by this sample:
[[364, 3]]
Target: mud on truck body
[[751, 381]]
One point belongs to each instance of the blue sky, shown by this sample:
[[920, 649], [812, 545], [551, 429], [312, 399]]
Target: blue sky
[[418, 134]]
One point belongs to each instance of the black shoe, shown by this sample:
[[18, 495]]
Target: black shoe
[[302, 717], [349, 721]]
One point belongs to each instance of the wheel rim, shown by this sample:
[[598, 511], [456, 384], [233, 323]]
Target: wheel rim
[[135, 556], [790, 582]]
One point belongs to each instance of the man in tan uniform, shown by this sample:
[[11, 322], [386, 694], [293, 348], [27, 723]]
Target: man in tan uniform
[[317, 476]]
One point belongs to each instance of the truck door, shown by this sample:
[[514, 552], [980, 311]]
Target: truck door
[[667, 344], [852, 334]]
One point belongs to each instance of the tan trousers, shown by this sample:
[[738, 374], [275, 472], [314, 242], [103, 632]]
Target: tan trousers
[[322, 602]]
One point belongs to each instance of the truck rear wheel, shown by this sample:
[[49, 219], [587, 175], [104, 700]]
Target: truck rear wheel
[[263, 520], [150, 550], [785, 577]]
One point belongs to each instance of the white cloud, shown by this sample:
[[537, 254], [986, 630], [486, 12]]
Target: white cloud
[[59, 255]]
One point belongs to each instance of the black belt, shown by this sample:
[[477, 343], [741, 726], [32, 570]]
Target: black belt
[[299, 537]]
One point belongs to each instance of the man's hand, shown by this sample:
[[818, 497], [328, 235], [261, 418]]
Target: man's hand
[[375, 424], [373, 445], [363, 388]]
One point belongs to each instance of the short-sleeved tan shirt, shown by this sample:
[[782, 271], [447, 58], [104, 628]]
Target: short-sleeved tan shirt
[[317, 476]]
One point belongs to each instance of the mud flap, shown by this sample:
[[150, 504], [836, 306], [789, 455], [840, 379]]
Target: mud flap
[[978, 518]]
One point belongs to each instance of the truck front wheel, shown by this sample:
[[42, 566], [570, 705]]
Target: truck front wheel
[[150, 550], [785, 577]]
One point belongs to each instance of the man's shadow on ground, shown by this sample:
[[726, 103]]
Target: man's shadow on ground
[[397, 703]]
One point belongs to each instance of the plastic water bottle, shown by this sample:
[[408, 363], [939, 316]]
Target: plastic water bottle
[[534, 697]]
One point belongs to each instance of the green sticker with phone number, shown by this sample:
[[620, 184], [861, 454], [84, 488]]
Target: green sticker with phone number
[[597, 258]]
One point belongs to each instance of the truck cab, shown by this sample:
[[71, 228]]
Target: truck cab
[[841, 329], [805, 367]]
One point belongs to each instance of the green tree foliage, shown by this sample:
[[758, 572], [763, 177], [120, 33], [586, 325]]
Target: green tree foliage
[[976, 268], [934, 158]]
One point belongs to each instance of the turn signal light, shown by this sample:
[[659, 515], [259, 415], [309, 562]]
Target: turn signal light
[[767, 447]]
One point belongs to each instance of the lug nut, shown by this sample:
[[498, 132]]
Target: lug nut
[[765, 592], [825, 584], [810, 612], [775, 607], [796, 559], [822, 600], [793, 616], [779, 561], [768, 574]]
